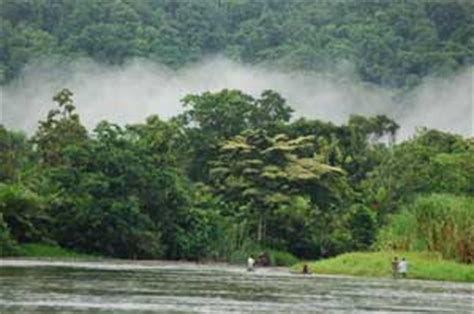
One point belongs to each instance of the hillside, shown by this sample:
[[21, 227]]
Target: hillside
[[393, 43]]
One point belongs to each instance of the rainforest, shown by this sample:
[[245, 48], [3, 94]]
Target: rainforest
[[235, 173]]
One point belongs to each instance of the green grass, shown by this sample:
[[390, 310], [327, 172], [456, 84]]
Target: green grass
[[421, 265], [47, 250]]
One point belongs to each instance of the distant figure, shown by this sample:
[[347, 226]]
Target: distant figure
[[395, 266], [264, 259], [403, 268], [250, 263], [305, 269]]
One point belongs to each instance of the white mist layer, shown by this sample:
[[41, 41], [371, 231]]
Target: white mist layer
[[130, 93]]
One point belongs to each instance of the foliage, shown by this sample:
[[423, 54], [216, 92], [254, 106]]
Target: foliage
[[15, 152], [229, 177], [23, 212], [421, 265], [280, 258], [256, 175], [8, 246], [439, 223], [47, 250], [210, 118], [60, 129], [393, 43], [432, 161], [363, 227]]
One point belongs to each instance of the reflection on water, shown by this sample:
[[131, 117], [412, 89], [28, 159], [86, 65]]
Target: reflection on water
[[120, 287]]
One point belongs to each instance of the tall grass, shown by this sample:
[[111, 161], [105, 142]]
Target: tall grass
[[439, 223], [233, 243]]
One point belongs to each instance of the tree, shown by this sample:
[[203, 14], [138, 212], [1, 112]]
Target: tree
[[258, 176], [15, 155], [62, 128], [433, 161], [213, 117], [363, 227]]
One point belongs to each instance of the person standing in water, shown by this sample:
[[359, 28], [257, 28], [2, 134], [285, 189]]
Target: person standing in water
[[250, 263], [403, 268], [395, 267], [305, 269]]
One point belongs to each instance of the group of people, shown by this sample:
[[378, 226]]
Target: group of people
[[399, 267]]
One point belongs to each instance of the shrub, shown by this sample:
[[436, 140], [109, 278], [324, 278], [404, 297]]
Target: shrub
[[280, 258], [8, 246]]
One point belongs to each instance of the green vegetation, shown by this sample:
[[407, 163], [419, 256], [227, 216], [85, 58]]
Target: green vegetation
[[422, 265], [389, 43], [441, 223], [278, 258], [47, 250], [233, 174]]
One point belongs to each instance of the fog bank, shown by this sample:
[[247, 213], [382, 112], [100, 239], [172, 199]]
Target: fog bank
[[129, 93]]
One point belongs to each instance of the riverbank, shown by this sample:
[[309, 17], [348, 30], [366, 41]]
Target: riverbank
[[46, 250], [422, 265], [41, 250]]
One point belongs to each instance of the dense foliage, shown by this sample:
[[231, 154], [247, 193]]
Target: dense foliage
[[441, 223], [390, 43], [233, 175]]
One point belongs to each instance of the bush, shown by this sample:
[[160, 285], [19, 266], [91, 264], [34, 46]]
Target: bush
[[23, 213], [8, 246], [280, 258]]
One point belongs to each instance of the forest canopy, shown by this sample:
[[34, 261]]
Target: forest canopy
[[231, 175], [389, 43]]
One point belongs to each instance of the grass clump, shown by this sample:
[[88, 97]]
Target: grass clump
[[422, 265]]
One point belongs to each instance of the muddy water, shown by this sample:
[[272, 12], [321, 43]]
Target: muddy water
[[28, 286]]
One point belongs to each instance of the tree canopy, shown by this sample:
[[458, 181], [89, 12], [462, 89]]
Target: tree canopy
[[230, 175], [390, 43]]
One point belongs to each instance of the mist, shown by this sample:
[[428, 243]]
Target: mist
[[130, 93]]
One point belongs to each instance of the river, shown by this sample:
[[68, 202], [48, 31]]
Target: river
[[39, 286]]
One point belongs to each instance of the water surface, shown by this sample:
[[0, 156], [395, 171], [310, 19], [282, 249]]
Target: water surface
[[30, 286]]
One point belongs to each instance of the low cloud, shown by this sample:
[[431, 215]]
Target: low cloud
[[130, 93]]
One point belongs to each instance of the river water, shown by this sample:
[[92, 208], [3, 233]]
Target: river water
[[34, 286]]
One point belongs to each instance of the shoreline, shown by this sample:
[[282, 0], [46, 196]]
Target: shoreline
[[422, 266], [152, 264], [127, 264]]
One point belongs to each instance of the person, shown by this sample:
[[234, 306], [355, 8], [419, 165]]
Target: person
[[305, 269], [395, 267], [250, 263], [403, 267], [263, 259]]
